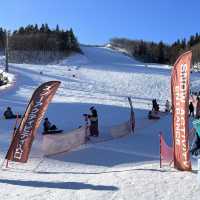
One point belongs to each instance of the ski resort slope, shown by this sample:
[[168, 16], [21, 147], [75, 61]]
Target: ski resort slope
[[125, 168]]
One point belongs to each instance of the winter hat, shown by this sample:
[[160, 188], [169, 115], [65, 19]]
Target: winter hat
[[92, 108]]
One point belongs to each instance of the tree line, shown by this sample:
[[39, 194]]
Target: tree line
[[43, 38], [159, 52]]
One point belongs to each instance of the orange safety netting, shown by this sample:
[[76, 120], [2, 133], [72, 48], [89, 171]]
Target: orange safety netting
[[166, 152]]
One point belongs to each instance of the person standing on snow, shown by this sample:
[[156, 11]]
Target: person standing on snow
[[155, 105], [191, 109], [198, 108], [94, 130], [167, 106]]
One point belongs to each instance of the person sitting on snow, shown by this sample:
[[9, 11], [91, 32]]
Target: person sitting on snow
[[152, 115], [49, 128], [8, 114]]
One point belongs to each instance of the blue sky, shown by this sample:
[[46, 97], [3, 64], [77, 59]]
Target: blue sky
[[96, 21]]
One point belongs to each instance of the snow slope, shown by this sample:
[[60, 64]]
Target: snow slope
[[125, 168]]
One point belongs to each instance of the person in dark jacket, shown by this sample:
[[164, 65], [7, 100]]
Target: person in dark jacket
[[191, 109], [93, 117], [48, 127], [195, 150], [155, 105], [198, 108], [8, 114]]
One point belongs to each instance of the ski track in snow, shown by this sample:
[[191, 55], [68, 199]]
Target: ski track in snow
[[124, 168]]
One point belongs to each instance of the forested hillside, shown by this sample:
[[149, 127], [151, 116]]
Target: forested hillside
[[159, 52], [34, 40]]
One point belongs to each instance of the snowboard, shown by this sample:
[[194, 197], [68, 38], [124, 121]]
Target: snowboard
[[50, 132]]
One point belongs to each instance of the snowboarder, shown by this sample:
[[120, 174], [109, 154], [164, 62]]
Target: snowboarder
[[191, 109], [155, 105], [8, 114], [152, 115], [49, 128], [93, 122], [198, 108], [167, 106]]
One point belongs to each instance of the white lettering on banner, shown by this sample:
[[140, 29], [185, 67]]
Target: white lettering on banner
[[180, 120], [33, 115]]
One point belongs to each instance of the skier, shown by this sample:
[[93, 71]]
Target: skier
[[152, 115], [191, 109], [167, 106], [198, 108], [49, 128], [93, 122], [8, 114]]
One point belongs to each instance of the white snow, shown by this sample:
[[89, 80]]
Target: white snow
[[125, 168], [11, 79]]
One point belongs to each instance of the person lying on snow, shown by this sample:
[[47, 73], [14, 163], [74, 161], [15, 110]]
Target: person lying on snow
[[152, 115], [93, 117], [8, 114], [49, 128]]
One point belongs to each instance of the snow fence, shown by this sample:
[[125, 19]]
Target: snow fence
[[65, 142], [166, 152], [58, 143], [121, 130]]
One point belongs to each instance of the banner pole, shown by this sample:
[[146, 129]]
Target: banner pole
[[6, 163], [132, 116], [160, 134], [86, 129], [14, 131]]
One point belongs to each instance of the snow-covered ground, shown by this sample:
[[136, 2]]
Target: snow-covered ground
[[125, 168]]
